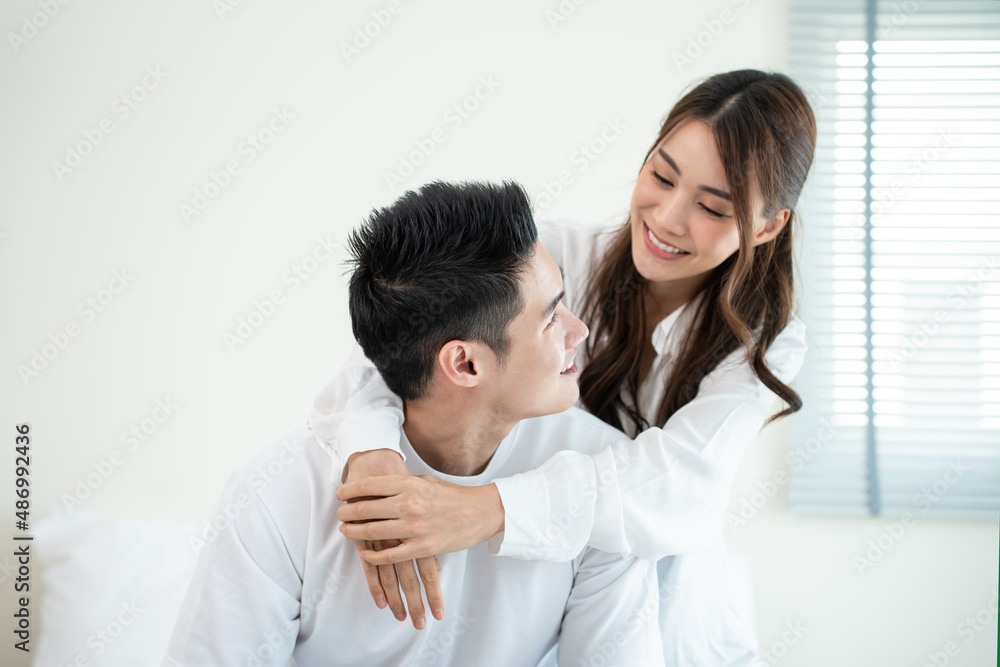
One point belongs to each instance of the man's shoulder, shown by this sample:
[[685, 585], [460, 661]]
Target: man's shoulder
[[291, 464], [572, 429], [285, 487]]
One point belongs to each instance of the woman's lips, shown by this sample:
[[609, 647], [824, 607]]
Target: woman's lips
[[656, 250]]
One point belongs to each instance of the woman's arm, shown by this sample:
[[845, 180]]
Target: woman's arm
[[368, 417], [663, 493], [356, 412]]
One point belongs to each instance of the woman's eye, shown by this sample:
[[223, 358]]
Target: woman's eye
[[555, 316], [712, 213], [661, 179]]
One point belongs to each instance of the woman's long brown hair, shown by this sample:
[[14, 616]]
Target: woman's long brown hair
[[765, 132]]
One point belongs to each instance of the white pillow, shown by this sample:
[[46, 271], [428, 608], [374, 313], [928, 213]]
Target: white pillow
[[111, 588]]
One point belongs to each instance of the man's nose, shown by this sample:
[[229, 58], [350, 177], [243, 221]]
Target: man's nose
[[576, 330]]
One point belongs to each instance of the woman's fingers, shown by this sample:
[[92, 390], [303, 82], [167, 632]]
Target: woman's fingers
[[374, 530], [403, 552], [429, 568], [368, 510], [384, 485], [371, 574]]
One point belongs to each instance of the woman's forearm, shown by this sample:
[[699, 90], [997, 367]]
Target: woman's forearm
[[428, 515]]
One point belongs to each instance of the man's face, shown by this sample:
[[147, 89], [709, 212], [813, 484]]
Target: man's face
[[540, 376]]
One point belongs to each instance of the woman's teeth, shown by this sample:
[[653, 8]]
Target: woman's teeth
[[663, 246]]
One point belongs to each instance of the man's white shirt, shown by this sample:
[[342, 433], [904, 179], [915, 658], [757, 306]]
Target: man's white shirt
[[279, 580]]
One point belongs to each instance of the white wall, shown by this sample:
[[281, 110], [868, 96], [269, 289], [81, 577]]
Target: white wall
[[820, 607], [558, 81]]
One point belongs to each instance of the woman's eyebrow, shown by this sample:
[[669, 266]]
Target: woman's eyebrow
[[715, 191], [670, 161]]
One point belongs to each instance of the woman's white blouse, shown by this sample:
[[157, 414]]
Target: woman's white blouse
[[663, 493]]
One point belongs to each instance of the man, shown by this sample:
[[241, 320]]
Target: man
[[459, 307]]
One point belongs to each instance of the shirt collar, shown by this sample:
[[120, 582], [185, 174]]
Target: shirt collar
[[417, 466]]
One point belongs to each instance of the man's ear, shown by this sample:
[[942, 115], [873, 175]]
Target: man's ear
[[457, 361], [772, 227]]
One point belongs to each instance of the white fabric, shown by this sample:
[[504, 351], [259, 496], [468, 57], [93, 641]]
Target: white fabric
[[280, 581], [356, 390], [110, 588], [707, 610], [660, 495]]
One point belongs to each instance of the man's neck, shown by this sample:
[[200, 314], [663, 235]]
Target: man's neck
[[453, 437]]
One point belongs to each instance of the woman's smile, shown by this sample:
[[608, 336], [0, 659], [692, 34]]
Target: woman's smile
[[660, 248]]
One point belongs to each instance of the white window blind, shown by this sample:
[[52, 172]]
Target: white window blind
[[899, 262]]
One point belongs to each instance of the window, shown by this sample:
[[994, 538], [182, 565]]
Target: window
[[900, 259]]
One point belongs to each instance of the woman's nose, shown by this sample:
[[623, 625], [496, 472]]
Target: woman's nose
[[669, 216]]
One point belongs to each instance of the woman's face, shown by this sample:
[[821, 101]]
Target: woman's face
[[682, 214]]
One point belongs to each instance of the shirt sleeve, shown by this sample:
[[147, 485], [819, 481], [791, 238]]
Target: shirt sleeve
[[665, 492], [357, 412], [612, 614], [243, 603]]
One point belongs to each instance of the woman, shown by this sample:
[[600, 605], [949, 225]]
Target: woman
[[690, 308]]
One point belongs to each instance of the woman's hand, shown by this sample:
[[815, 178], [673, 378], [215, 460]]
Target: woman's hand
[[427, 515], [384, 581]]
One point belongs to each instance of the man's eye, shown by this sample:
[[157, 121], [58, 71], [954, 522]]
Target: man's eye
[[555, 316]]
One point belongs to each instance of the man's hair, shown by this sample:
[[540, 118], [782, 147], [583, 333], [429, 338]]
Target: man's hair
[[441, 263]]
